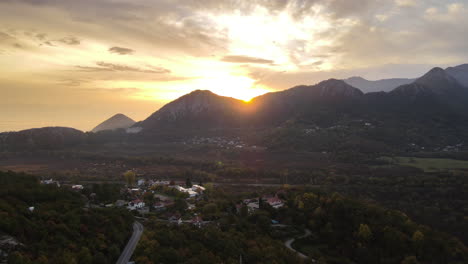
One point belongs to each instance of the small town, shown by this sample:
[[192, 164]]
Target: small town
[[170, 201]]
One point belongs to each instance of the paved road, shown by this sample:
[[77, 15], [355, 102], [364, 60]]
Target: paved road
[[289, 242], [131, 245]]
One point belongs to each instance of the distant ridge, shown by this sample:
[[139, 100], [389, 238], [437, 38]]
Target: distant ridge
[[384, 85], [117, 121]]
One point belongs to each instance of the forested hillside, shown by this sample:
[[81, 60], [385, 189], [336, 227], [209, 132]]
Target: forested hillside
[[59, 229]]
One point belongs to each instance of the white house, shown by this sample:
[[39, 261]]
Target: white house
[[198, 188], [190, 192], [141, 182], [135, 204]]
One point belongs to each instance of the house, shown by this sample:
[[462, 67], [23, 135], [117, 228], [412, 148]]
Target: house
[[157, 183], [162, 198], [77, 187], [174, 218], [196, 221], [275, 202], [140, 182], [159, 206], [253, 206], [120, 203], [198, 188], [136, 204], [47, 182], [190, 192]]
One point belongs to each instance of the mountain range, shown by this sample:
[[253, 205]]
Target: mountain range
[[434, 105], [460, 73], [437, 92]]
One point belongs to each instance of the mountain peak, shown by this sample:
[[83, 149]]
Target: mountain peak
[[435, 82], [334, 88], [200, 92], [200, 108], [356, 78], [436, 73], [115, 122], [438, 81]]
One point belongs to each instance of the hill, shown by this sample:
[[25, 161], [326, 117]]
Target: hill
[[42, 138], [197, 110], [115, 122]]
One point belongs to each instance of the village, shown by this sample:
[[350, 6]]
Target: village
[[170, 201]]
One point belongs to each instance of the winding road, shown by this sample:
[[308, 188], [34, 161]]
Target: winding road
[[289, 242], [131, 245]]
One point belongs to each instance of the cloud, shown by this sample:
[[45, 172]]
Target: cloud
[[5, 37], [245, 59], [121, 51], [111, 67], [115, 90], [406, 3], [70, 40], [72, 81], [41, 36]]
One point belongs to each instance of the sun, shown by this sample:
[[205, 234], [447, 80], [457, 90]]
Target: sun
[[239, 87]]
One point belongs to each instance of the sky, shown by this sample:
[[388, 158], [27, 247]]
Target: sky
[[76, 63]]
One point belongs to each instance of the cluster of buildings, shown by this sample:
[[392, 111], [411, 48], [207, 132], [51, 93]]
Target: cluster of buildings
[[221, 142], [254, 203], [161, 201]]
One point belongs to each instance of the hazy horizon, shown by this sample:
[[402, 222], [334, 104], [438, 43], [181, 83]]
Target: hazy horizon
[[77, 63]]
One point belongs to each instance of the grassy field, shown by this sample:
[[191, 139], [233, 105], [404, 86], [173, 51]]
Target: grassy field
[[428, 164]]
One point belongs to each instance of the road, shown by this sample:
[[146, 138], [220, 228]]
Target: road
[[131, 245], [289, 242]]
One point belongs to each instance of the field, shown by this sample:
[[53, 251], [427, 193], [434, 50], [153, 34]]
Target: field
[[428, 164]]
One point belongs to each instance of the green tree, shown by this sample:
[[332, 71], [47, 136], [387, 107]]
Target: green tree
[[84, 256], [244, 211], [130, 177], [100, 258], [210, 209], [148, 198], [410, 260], [188, 183], [364, 233]]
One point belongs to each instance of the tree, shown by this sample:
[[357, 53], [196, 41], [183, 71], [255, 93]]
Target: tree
[[410, 260], [130, 177], [210, 209], [418, 237], [188, 183], [244, 211], [84, 256], [99, 258], [364, 233], [148, 198]]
